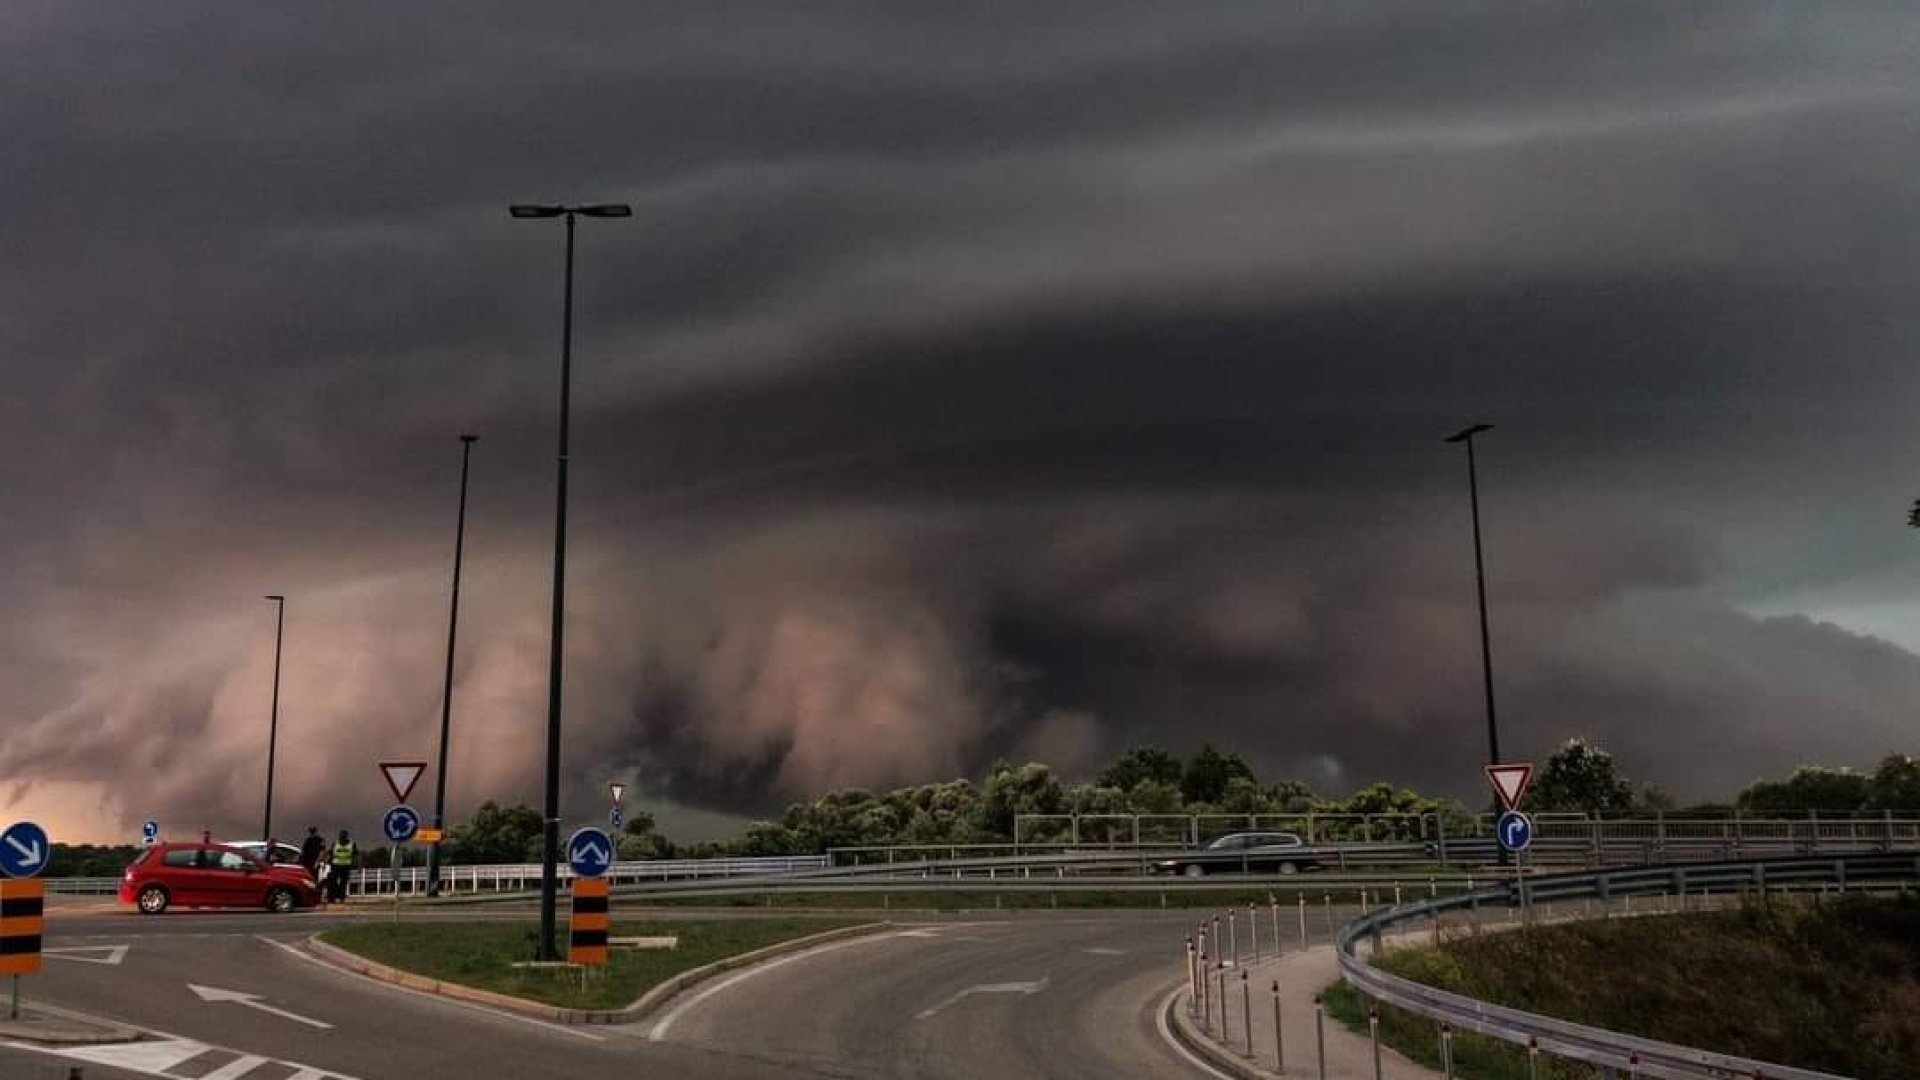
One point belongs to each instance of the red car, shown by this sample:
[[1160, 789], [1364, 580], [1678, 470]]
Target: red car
[[213, 875]]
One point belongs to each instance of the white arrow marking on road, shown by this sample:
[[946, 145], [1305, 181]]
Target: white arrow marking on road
[[30, 852], [114, 953], [987, 988], [252, 1001]]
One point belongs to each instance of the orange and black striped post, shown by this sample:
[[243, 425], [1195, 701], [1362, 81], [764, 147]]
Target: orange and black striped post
[[22, 901], [587, 929]]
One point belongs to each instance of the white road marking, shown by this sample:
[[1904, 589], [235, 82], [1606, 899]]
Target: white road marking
[[665, 1023], [1166, 1036], [156, 1057], [235, 1069], [296, 952], [986, 988], [252, 1001], [1099, 950], [114, 953]]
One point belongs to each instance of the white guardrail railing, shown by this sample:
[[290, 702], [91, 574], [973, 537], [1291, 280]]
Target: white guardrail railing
[[1612, 1053], [513, 877]]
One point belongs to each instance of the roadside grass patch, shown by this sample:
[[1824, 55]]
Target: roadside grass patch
[[482, 955], [1831, 985]]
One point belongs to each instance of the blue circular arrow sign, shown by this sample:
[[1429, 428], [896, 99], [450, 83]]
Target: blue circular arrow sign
[[400, 824], [1514, 830], [150, 830], [24, 849], [589, 852], [615, 818]]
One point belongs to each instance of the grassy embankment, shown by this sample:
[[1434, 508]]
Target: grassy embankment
[[1833, 986], [482, 955]]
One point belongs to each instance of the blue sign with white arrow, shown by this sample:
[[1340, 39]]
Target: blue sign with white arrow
[[1514, 831], [589, 852], [400, 824], [24, 849], [149, 832], [616, 818]]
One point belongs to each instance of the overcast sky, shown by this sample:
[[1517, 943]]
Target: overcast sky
[[969, 382]]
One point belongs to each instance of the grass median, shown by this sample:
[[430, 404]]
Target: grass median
[[482, 955]]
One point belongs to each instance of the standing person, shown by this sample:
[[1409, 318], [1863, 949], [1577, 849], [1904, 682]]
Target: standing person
[[311, 849], [340, 867]]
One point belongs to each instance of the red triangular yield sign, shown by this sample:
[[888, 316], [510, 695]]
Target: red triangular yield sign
[[1510, 783], [401, 776]]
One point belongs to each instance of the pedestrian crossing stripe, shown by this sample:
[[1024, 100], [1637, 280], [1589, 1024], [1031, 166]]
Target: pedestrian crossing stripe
[[182, 1059]]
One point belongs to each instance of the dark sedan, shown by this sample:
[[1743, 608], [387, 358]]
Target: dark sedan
[[1246, 853]]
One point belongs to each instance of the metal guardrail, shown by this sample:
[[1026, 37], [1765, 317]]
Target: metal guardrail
[[1039, 832], [1607, 1050], [514, 877]]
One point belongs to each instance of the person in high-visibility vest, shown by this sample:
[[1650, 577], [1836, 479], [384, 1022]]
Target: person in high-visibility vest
[[340, 867]]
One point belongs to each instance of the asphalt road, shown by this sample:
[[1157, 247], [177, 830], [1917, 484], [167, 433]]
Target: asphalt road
[[1010, 998], [1033, 995]]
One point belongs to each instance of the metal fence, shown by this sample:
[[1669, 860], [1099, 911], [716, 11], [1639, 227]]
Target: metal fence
[[1039, 832], [1610, 1053], [512, 877]]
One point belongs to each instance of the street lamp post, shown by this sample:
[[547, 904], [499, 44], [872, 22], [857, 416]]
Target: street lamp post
[[550, 838], [446, 693], [273, 717], [1480, 580]]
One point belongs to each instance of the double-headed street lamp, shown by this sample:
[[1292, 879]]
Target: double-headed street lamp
[[446, 695], [273, 717], [1480, 579], [550, 839]]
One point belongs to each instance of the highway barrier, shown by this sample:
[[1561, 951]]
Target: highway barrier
[[1606, 1050]]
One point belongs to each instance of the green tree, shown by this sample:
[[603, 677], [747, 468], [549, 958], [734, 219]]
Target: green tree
[[1811, 787], [639, 839], [1140, 765], [1207, 775], [495, 834], [1895, 784], [1009, 791], [1579, 778], [1154, 797]]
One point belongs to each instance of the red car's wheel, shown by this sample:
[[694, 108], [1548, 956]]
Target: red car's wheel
[[281, 900], [152, 900]]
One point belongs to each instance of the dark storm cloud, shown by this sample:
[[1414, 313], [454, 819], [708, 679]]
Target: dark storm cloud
[[964, 386]]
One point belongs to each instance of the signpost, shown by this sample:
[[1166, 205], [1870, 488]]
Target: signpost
[[589, 852], [1514, 831], [400, 824], [23, 854], [1510, 783], [149, 833], [401, 776]]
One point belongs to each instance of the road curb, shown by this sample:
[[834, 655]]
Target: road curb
[[646, 1005], [1203, 1046], [72, 1028]]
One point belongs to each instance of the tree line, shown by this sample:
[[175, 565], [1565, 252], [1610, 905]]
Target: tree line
[[1579, 777]]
